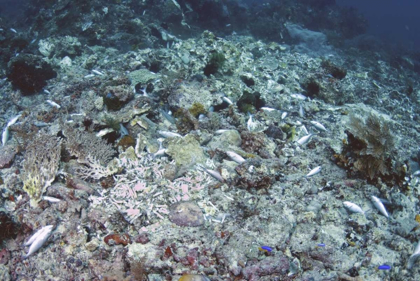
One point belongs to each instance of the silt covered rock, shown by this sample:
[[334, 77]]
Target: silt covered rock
[[185, 151], [186, 214]]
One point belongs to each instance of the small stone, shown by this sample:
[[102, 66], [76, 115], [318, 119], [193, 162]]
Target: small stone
[[186, 214], [7, 154], [92, 245], [142, 238]]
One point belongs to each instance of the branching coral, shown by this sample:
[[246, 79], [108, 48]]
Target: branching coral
[[83, 144], [40, 165], [372, 142]]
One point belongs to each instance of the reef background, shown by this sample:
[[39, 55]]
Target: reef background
[[92, 92]]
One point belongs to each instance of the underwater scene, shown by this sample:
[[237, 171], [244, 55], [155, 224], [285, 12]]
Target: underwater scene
[[209, 140]]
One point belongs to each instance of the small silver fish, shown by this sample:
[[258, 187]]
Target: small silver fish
[[226, 99], [97, 72], [305, 139], [167, 134], [413, 258], [51, 199], [168, 116], [123, 130], [305, 130], [235, 157], [318, 126], [353, 207], [379, 205], [269, 109], [104, 132], [284, 115], [89, 76], [78, 114], [301, 111], [250, 124], [254, 126], [52, 103], [38, 239], [314, 171], [298, 96], [222, 131], [214, 174], [13, 120], [13, 30], [416, 173], [5, 136], [41, 124], [47, 92], [159, 153]]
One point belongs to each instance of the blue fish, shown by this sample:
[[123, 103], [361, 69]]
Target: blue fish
[[384, 267], [321, 245], [265, 249]]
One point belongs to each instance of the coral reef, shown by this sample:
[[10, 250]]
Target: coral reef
[[215, 62], [85, 144], [371, 143], [140, 132], [42, 158], [29, 73]]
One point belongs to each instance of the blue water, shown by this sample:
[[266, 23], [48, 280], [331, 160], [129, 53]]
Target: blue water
[[396, 22]]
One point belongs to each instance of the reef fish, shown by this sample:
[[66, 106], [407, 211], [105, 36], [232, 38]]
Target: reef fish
[[269, 109], [222, 131], [13, 120], [53, 104], [298, 96], [284, 115], [301, 111], [265, 249], [413, 258], [384, 267], [38, 239], [378, 204], [235, 157], [318, 126], [5, 136], [305, 139], [213, 173], [353, 207], [227, 100], [97, 72], [314, 171], [167, 134]]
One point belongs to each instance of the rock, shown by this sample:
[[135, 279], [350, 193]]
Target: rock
[[29, 73], [186, 214], [7, 154], [185, 151], [142, 77], [228, 139]]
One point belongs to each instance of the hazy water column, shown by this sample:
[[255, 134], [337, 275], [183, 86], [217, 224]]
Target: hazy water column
[[395, 21]]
